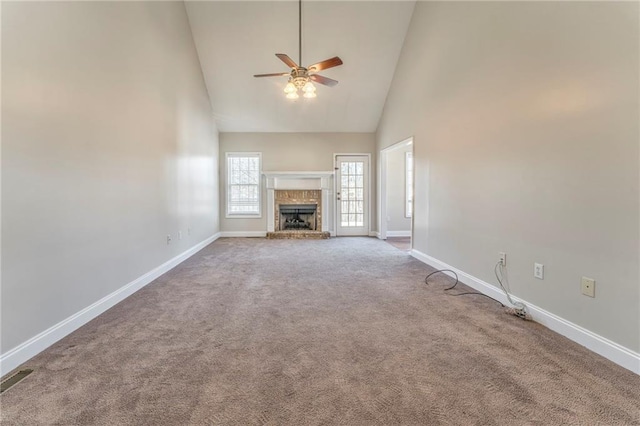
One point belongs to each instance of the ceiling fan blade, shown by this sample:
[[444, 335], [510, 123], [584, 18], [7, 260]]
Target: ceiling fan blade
[[323, 80], [287, 60], [327, 63], [275, 74]]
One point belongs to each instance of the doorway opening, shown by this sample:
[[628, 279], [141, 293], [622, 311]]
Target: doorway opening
[[396, 194]]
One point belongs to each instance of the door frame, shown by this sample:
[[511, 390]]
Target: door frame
[[335, 190], [382, 202]]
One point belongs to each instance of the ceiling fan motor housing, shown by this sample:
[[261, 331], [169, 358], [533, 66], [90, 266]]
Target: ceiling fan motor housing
[[299, 77]]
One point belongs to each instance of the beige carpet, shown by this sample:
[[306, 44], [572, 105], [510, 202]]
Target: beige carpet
[[334, 332], [401, 243]]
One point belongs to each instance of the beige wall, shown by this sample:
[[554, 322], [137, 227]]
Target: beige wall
[[525, 125], [108, 146], [291, 152], [396, 180]]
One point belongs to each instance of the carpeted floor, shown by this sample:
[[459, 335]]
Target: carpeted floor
[[401, 243], [334, 332]]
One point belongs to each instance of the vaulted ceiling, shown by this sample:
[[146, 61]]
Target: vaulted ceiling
[[236, 39]]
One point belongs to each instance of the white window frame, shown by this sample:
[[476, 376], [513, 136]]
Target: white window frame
[[240, 215], [408, 184]]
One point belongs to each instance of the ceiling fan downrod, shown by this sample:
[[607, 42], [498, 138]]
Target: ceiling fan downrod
[[300, 31]]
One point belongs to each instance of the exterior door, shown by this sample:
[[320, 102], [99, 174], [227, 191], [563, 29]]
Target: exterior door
[[352, 194]]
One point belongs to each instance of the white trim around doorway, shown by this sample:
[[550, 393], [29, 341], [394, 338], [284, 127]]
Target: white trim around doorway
[[383, 232]]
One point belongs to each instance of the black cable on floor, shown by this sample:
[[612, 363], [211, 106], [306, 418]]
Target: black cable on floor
[[426, 281]]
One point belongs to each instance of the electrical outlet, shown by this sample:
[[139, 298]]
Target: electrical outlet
[[168, 239], [179, 235], [538, 271], [588, 287], [503, 258]]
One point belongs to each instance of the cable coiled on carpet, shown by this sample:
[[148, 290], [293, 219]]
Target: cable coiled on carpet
[[426, 281]]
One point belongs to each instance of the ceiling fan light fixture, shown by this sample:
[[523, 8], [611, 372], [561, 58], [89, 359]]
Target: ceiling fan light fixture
[[309, 87], [293, 95], [290, 88], [310, 94]]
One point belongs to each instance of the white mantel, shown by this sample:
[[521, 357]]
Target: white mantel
[[299, 180]]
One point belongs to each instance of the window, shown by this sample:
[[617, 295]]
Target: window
[[408, 184], [243, 184]]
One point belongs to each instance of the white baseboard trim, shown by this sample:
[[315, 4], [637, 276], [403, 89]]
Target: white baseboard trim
[[374, 234], [27, 350], [398, 233], [619, 354], [243, 234]]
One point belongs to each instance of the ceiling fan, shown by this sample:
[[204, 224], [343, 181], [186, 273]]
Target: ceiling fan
[[300, 78]]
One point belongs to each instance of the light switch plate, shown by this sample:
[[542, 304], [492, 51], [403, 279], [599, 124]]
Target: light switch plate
[[588, 287], [538, 271]]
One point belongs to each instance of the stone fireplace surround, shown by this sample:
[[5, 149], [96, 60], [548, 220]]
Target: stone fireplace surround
[[298, 188]]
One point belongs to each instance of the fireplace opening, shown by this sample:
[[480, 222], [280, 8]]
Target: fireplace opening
[[298, 216]]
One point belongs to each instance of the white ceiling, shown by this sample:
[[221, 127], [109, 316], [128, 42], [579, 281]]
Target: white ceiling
[[236, 39]]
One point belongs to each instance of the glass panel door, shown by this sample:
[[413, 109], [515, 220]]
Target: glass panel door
[[352, 195]]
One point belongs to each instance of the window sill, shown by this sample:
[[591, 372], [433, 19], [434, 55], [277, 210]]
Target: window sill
[[243, 216]]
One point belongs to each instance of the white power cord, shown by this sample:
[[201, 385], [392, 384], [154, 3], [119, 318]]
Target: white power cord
[[518, 309]]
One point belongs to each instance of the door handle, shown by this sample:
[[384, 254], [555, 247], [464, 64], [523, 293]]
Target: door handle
[[338, 196]]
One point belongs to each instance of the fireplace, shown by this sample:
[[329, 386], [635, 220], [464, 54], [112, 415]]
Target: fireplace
[[298, 216], [299, 204]]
